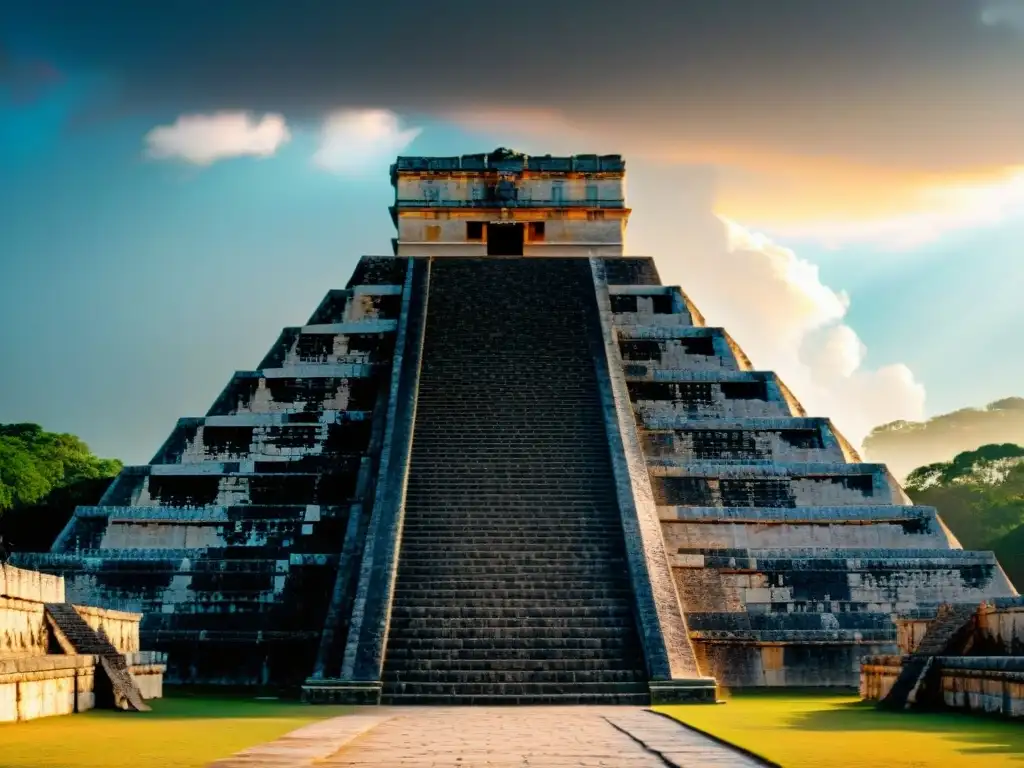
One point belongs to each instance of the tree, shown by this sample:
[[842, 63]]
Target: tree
[[980, 496], [43, 476]]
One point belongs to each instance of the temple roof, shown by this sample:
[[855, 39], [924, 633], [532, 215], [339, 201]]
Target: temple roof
[[508, 160]]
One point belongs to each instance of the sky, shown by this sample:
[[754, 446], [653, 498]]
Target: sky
[[840, 185]]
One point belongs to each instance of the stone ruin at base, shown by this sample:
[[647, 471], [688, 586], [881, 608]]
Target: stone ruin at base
[[506, 464], [968, 657], [57, 658]]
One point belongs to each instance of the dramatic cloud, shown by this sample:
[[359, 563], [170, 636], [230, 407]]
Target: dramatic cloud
[[776, 307], [1008, 13], [935, 212], [205, 139], [816, 110], [353, 141]]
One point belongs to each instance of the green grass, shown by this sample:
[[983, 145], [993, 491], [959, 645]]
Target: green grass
[[181, 732], [808, 730]]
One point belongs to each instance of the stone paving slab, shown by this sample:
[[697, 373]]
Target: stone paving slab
[[307, 745], [493, 737]]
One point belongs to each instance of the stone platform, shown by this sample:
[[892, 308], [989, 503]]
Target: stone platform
[[515, 469], [41, 672], [973, 663]]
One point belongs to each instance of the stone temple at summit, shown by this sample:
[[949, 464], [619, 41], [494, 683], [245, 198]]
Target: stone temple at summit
[[506, 464]]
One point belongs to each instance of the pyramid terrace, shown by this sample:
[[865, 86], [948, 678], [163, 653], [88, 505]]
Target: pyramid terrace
[[507, 465]]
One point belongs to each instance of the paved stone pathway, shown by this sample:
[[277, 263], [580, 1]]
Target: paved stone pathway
[[493, 737]]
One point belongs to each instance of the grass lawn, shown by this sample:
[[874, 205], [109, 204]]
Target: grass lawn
[[181, 732], [809, 729]]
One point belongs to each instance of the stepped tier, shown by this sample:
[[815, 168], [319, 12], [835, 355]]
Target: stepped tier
[[243, 536], [508, 480], [790, 556]]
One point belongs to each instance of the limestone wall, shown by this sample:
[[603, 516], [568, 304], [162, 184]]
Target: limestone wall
[[666, 399], [22, 627], [983, 684], [710, 484], [417, 235], [30, 585], [852, 581], [824, 527], [119, 627], [42, 686], [991, 685], [23, 595], [1000, 628], [789, 664], [147, 670], [439, 188], [878, 673], [789, 554]]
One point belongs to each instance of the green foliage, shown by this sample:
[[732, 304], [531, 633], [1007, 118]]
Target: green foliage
[[988, 465], [43, 477], [34, 462], [980, 496]]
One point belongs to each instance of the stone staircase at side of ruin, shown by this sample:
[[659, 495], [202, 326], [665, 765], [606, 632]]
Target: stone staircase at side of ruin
[[944, 635], [512, 582], [87, 641]]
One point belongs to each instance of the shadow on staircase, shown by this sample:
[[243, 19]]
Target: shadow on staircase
[[949, 634], [77, 636]]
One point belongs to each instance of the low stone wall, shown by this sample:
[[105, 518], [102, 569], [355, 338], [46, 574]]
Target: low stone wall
[[41, 686], [1000, 629], [30, 585], [989, 684], [35, 679], [22, 621], [119, 627], [22, 628], [877, 675], [799, 663], [147, 669]]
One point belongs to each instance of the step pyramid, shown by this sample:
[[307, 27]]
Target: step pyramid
[[473, 478]]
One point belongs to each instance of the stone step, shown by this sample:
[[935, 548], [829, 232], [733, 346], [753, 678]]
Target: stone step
[[550, 660], [512, 551], [513, 598], [515, 689], [605, 609], [605, 652], [469, 625], [524, 543], [456, 676], [502, 558], [486, 633], [485, 580], [572, 699]]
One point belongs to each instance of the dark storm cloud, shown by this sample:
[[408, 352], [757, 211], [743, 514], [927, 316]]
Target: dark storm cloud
[[921, 83]]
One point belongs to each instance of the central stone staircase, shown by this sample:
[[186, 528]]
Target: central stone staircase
[[86, 641], [512, 583]]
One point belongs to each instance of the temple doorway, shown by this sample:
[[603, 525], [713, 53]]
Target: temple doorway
[[505, 239]]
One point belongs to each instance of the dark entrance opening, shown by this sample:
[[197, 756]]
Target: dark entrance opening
[[504, 239]]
